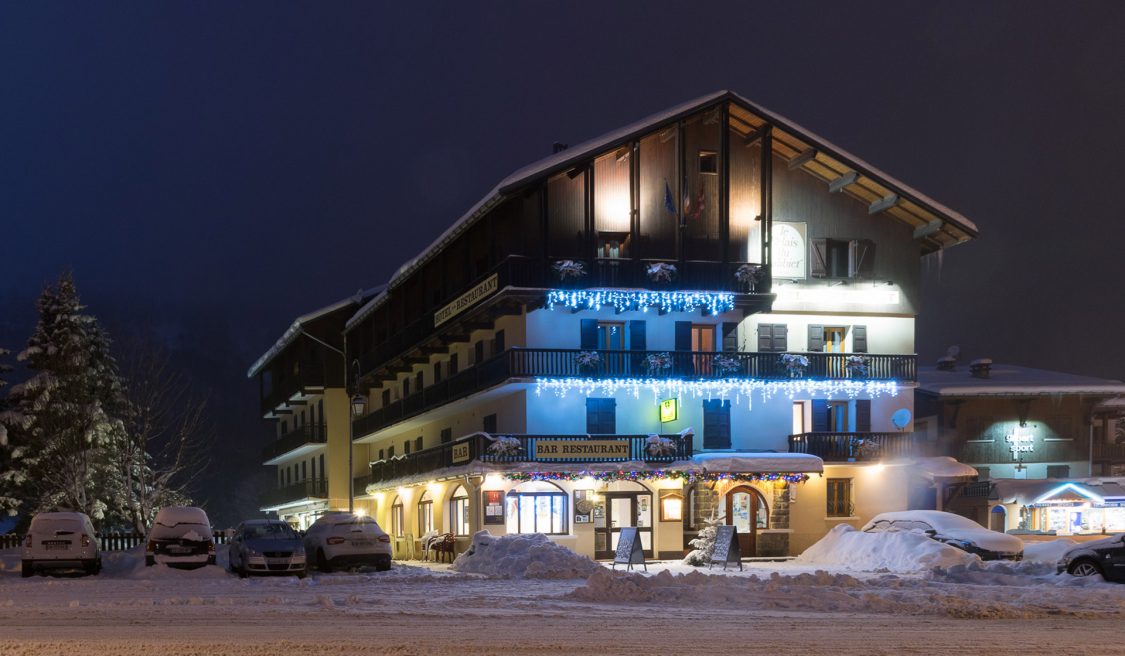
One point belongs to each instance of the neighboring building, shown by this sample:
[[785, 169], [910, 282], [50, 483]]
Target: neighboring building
[[692, 314], [1015, 424], [301, 382]]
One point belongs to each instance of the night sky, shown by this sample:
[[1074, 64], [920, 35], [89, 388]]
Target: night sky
[[212, 171]]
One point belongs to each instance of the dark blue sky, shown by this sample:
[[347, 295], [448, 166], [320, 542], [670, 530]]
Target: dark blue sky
[[228, 166]]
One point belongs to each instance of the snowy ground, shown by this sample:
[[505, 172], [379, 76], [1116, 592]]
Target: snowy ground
[[785, 608]]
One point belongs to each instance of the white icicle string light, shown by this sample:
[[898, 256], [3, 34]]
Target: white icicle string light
[[623, 301], [738, 388]]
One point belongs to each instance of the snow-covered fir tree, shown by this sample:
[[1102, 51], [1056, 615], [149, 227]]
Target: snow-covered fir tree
[[8, 504], [704, 543], [65, 420]]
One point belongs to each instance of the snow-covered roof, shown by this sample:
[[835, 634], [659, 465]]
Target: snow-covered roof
[[297, 326], [583, 151], [943, 467], [759, 462], [1010, 379], [1031, 491]]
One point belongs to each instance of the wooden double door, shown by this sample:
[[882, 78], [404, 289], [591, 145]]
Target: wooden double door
[[621, 510]]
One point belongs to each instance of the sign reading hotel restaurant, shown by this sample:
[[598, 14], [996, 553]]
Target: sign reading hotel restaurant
[[460, 452], [581, 449], [463, 302]]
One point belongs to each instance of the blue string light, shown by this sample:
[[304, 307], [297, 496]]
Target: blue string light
[[722, 388], [628, 300]]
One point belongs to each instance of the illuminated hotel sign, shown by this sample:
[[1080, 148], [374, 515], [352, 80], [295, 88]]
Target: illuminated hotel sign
[[789, 252], [581, 449], [669, 410], [467, 300], [1020, 441]]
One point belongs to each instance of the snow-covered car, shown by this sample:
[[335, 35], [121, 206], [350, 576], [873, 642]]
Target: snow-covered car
[[266, 546], [342, 539], [60, 540], [954, 530], [1105, 558], [181, 537]]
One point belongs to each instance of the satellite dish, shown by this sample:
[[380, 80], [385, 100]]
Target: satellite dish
[[900, 418]]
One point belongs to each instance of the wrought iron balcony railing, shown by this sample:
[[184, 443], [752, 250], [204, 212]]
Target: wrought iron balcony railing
[[295, 439], [854, 447]]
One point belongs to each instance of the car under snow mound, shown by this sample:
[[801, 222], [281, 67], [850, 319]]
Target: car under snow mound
[[518, 556], [954, 530], [896, 551]]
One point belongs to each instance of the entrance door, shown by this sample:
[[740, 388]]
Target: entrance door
[[747, 512], [834, 343], [624, 509], [997, 519], [702, 341]]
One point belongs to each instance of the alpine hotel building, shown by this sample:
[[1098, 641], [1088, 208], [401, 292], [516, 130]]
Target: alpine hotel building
[[708, 312]]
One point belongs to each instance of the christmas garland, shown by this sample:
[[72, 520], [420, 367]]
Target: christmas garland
[[674, 474]]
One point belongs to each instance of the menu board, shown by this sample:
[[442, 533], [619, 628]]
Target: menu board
[[727, 549], [493, 506], [629, 550]]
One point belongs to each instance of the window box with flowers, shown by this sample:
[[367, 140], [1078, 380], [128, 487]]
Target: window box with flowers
[[661, 272], [856, 366], [658, 364], [587, 361], [795, 364]]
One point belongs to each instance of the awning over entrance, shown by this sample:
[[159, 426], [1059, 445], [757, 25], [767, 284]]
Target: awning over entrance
[[758, 462]]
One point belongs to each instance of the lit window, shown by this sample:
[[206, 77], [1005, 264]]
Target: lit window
[[459, 512], [396, 517], [425, 513], [537, 507]]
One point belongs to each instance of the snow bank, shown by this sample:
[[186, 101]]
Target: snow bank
[[1049, 551], [895, 551], [530, 556]]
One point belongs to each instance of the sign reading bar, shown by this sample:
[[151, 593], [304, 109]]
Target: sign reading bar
[[582, 449], [460, 452], [463, 302]]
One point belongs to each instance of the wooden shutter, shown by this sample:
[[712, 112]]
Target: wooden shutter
[[730, 336], [437, 372], [765, 337], [638, 340], [780, 337], [716, 424], [601, 416], [864, 262], [816, 338], [859, 339], [589, 334], [446, 435], [683, 335], [820, 416], [819, 257], [478, 352], [498, 342], [863, 415], [488, 424]]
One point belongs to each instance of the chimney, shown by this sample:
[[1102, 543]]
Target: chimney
[[558, 147], [946, 363], [981, 368]]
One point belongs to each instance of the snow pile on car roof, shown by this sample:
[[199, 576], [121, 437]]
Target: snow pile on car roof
[[531, 556], [895, 551]]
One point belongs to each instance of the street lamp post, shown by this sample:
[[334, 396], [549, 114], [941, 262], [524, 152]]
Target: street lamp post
[[357, 402]]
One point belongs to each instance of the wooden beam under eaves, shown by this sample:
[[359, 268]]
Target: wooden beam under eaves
[[886, 202], [802, 157], [842, 181], [925, 231], [751, 138]]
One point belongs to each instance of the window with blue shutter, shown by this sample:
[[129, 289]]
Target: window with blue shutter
[[716, 424], [601, 416]]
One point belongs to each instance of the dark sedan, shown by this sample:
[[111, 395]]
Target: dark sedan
[[1105, 558]]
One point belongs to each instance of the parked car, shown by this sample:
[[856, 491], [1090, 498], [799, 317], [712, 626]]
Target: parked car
[[266, 546], [1105, 558], [342, 539], [60, 540], [180, 537], [954, 530]]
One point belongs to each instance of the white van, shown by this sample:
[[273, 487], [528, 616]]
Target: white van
[[60, 540]]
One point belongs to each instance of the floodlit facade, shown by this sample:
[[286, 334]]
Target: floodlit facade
[[709, 312]]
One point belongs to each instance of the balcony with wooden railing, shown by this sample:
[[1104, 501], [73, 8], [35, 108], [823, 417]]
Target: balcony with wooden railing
[[855, 447], [307, 435], [565, 363], [316, 488], [1109, 453], [310, 376], [512, 449]]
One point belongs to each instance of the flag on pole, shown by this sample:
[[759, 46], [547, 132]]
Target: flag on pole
[[669, 200]]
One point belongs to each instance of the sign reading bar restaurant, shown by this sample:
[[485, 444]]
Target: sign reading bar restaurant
[[487, 287], [582, 449]]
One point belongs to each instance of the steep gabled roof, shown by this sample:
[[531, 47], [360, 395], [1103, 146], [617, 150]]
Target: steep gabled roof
[[933, 221], [297, 327]]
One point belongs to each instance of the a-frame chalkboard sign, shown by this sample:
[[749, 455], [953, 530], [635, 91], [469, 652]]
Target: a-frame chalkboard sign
[[629, 550], [726, 547]]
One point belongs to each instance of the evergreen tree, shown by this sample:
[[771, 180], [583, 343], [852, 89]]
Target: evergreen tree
[[704, 544], [8, 505], [65, 420]]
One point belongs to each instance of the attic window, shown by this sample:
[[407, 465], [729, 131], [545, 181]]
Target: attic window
[[708, 162]]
